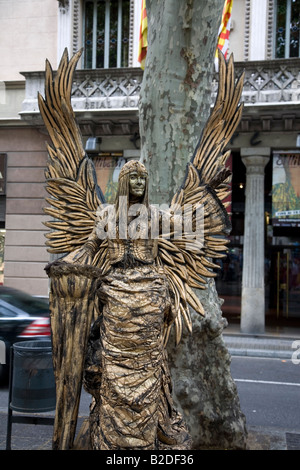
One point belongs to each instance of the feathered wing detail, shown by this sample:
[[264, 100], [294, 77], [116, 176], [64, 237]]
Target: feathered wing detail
[[75, 198], [70, 175], [187, 259]]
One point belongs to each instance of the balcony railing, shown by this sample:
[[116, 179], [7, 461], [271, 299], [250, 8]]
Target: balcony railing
[[274, 81], [112, 90], [117, 90]]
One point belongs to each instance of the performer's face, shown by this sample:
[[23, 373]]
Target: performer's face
[[137, 184]]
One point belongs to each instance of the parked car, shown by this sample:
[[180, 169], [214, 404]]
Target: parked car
[[22, 317]]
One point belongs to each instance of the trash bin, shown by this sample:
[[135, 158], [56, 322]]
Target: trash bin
[[33, 384]]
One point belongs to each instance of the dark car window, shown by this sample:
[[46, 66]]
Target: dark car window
[[23, 301], [5, 312]]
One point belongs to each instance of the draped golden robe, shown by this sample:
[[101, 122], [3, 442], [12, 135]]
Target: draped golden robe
[[132, 406]]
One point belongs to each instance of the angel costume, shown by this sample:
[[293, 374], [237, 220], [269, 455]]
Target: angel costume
[[133, 406], [114, 299]]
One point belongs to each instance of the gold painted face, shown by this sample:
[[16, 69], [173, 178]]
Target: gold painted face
[[137, 184]]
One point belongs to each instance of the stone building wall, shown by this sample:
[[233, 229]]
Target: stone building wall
[[25, 254]]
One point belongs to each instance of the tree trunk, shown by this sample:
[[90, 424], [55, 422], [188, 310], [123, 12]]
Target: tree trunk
[[175, 103], [176, 89]]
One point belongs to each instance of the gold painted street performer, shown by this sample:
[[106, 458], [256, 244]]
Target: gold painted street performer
[[127, 273]]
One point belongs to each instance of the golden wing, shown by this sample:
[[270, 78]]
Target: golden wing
[[75, 198], [187, 260], [71, 178]]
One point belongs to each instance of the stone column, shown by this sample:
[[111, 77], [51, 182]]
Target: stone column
[[258, 28], [64, 27], [253, 287]]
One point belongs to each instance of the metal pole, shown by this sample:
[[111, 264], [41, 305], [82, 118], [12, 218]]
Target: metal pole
[[9, 412], [287, 29], [278, 283], [94, 46], [107, 35], [287, 282]]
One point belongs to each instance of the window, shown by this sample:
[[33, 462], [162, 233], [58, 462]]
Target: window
[[287, 29], [6, 312], [106, 33]]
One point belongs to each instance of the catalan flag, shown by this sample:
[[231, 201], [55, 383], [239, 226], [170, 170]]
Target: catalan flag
[[143, 43], [223, 36]]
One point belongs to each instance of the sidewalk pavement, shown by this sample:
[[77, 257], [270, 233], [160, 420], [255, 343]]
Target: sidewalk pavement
[[270, 345], [286, 348], [283, 344]]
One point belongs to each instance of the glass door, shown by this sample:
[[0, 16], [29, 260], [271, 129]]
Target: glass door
[[288, 283]]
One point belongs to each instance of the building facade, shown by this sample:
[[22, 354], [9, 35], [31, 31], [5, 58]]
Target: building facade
[[260, 278]]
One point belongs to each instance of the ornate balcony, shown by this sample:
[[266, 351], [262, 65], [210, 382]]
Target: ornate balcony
[[271, 82], [109, 97], [93, 90]]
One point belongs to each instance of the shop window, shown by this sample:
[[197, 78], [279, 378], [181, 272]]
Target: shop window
[[287, 44], [106, 33]]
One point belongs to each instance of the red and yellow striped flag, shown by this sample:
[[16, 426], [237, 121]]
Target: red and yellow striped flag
[[143, 43], [223, 36]]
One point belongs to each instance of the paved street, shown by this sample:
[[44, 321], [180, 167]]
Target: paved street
[[269, 391]]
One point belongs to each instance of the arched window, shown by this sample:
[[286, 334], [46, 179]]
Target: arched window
[[287, 42], [106, 33]]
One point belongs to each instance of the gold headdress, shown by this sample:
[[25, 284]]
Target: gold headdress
[[133, 165]]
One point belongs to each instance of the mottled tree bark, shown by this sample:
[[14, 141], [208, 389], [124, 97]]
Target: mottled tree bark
[[204, 390], [176, 90], [174, 106]]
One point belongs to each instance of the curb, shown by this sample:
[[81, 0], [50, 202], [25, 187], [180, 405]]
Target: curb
[[260, 353], [262, 346]]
